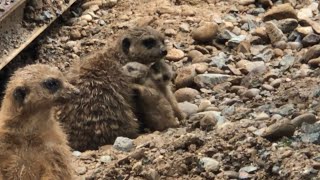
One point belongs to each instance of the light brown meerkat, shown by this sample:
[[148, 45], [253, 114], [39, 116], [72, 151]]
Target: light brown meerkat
[[104, 109], [33, 145]]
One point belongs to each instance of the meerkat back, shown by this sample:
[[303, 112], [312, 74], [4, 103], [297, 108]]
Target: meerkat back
[[33, 145]]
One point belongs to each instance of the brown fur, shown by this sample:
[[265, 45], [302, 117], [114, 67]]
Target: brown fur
[[156, 106], [33, 145], [104, 110]]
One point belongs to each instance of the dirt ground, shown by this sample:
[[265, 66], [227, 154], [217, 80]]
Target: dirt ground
[[247, 75]]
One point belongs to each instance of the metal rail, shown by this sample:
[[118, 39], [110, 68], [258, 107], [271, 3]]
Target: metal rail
[[15, 9]]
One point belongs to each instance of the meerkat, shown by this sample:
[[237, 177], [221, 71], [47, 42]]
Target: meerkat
[[104, 109], [33, 145]]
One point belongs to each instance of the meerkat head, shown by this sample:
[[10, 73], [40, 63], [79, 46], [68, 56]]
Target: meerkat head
[[36, 87], [160, 73], [144, 45], [135, 70]]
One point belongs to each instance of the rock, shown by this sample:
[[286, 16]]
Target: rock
[[76, 153], [123, 144], [304, 31], [248, 66], [314, 62], [313, 52], [251, 93], [279, 129], [311, 133], [75, 34], [185, 76], [231, 174], [267, 3], [220, 60], [262, 116], [184, 27], [304, 118], [283, 11], [206, 120], [167, 10], [152, 174], [188, 108], [287, 25], [305, 13], [196, 56], [81, 170], [201, 67], [205, 33], [264, 56], [295, 45], [105, 159], [170, 32], [267, 87], [209, 164], [175, 54], [286, 62], [203, 105], [204, 80], [244, 47], [246, 2], [87, 17], [235, 41], [186, 94], [276, 83], [248, 169], [274, 33], [311, 39]]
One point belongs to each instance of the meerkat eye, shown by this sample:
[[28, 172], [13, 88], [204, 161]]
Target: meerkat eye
[[149, 43], [166, 77], [52, 84], [20, 94], [126, 45]]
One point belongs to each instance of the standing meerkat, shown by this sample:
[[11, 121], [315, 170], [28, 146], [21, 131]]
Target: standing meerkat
[[33, 145], [104, 110]]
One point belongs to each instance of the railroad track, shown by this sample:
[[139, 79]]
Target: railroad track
[[14, 37]]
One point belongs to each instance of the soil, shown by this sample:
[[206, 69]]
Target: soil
[[252, 115]]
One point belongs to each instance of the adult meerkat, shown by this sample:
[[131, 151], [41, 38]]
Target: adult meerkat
[[33, 145]]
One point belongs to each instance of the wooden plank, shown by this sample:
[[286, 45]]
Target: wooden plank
[[31, 36]]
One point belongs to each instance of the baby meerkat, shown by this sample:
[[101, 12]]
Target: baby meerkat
[[104, 109], [155, 104], [33, 145]]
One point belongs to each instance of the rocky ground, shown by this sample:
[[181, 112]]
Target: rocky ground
[[246, 75]]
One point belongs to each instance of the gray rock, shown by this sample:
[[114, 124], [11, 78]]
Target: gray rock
[[311, 39], [248, 169], [287, 25], [279, 129], [311, 133], [220, 60], [265, 55], [274, 33], [188, 108], [209, 164], [105, 159], [304, 118], [235, 41], [204, 80], [123, 144]]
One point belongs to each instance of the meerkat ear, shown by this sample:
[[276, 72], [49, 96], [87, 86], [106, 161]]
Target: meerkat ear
[[126, 43], [19, 94]]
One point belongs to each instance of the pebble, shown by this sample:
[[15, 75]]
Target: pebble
[[201, 67], [196, 56], [274, 33], [205, 33], [251, 93], [276, 83], [248, 66], [123, 144], [204, 80], [203, 105], [186, 94], [184, 27], [246, 2], [287, 25], [304, 31], [305, 13], [185, 76], [304, 118], [75, 34], [312, 53], [267, 87], [76, 153], [105, 159], [188, 108], [209, 164], [311, 39], [279, 12], [314, 62], [279, 129], [170, 32], [81, 170], [87, 17], [175, 54]]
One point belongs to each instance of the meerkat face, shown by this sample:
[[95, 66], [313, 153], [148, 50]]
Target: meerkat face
[[160, 74], [135, 70], [143, 45], [39, 86]]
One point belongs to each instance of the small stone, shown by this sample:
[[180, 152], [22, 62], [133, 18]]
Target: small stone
[[152, 174], [209, 164], [170, 32], [188, 108], [265, 56], [313, 52], [87, 17], [305, 13], [196, 56], [205, 33], [274, 33], [186, 94], [123, 144], [304, 118], [295, 45], [175, 54], [248, 66], [185, 76], [201, 67], [311, 39], [283, 11], [248, 169], [81, 170], [203, 105], [204, 80], [244, 47], [251, 93], [314, 62], [276, 83], [262, 116], [184, 27], [304, 31], [246, 2], [287, 25], [137, 167], [105, 159], [231, 174], [267, 87], [279, 129], [278, 52], [76, 153], [75, 34]]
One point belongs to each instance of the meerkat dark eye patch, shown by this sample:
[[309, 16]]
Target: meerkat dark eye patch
[[20, 94], [149, 43], [126, 45], [52, 84]]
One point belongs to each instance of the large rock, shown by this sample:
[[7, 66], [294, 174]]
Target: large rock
[[279, 12], [279, 129], [206, 32], [186, 94], [185, 76], [304, 118]]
